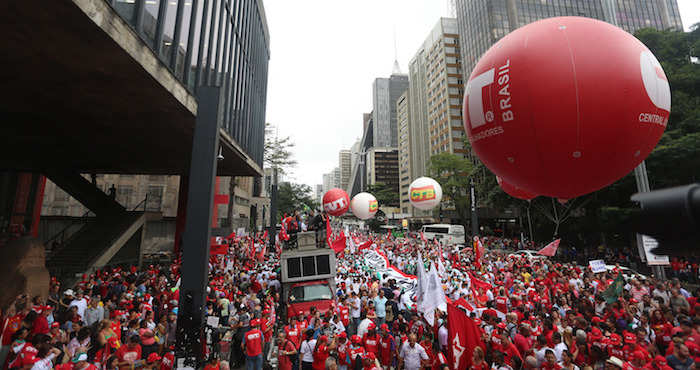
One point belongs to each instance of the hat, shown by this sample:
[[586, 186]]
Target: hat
[[596, 319], [615, 361], [615, 340], [477, 321], [254, 322], [323, 338], [660, 361], [371, 326], [300, 313], [266, 312], [596, 334], [384, 327], [501, 325], [630, 338], [69, 292], [638, 355], [355, 339], [371, 356], [677, 330], [80, 357], [55, 324], [153, 357], [343, 335]]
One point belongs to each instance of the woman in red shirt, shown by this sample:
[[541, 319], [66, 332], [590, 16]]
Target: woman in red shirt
[[479, 360], [322, 352], [662, 328]]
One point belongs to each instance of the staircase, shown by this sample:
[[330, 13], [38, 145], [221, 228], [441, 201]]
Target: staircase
[[85, 192], [94, 245]]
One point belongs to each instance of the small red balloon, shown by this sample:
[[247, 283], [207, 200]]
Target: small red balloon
[[565, 106], [514, 191], [336, 202]]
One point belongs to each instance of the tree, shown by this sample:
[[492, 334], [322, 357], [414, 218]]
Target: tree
[[452, 173], [385, 195], [293, 197], [278, 152]]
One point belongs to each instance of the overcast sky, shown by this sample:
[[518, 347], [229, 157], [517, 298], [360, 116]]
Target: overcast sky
[[325, 54]]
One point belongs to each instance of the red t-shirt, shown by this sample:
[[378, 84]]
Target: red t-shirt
[[285, 362], [167, 362], [320, 357], [11, 325], [385, 350], [124, 353], [371, 344], [545, 366], [354, 352], [293, 334], [253, 342]]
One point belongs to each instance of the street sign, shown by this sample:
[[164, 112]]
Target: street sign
[[653, 259]]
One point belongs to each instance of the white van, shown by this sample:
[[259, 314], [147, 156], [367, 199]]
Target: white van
[[447, 234]]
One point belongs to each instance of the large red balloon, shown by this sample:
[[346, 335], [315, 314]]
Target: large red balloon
[[515, 191], [566, 106], [336, 202]]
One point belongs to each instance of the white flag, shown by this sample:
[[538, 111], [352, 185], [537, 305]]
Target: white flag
[[433, 296], [422, 278]]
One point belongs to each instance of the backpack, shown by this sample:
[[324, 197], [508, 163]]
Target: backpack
[[295, 357], [389, 311]]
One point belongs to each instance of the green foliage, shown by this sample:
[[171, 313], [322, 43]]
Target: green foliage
[[452, 173], [293, 197], [278, 151], [385, 195]]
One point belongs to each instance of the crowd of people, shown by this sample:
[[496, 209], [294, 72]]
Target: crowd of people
[[532, 314]]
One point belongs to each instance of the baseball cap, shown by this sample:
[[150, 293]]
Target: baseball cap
[[660, 360], [343, 334], [323, 338], [153, 357], [371, 356], [596, 334], [80, 357], [637, 355], [384, 327], [614, 340], [630, 338]]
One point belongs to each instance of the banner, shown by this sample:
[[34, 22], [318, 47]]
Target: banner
[[433, 296], [218, 249], [379, 262], [597, 266], [653, 259], [462, 337], [550, 249]]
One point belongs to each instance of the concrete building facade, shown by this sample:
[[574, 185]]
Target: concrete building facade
[[405, 177], [385, 92]]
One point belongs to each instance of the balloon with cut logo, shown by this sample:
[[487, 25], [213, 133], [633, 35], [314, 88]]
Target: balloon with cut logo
[[565, 106], [336, 202], [425, 193], [515, 191], [364, 206]]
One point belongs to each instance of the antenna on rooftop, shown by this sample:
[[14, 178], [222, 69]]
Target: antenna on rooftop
[[397, 69]]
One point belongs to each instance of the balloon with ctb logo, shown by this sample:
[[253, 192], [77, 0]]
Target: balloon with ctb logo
[[364, 206], [425, 193]]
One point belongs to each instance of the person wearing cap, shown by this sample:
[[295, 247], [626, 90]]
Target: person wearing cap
[[41, 323], [342, 348], [267, 328], [356, 350], [169, 360], [659, 363], [322, 351], [153, 361], [635, 361], [387, 347], [253, 343], [613, 363], [370, 341], [370, 362], [412, 355]]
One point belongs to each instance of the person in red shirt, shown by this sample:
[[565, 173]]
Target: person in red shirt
[[286, 352], [322, 351], [356, 349], [370, 362], [550, 362], [509, 349], [212, 364], [253, 343], [168, 360], [371, 339], [343, 350], [387, 348], [635, 361], [293, 331], [662, 328], [615, 347], [267, 328], [659, 363], [522, 340], [41, 323], [130, 353]]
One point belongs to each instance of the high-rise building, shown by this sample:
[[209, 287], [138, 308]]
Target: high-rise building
[[435, 100], [344, 164], [331, 180], [483, 22], [385, 92], [383, 167], [405, 178]]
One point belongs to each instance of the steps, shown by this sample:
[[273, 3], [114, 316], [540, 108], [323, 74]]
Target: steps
[[94, 245]]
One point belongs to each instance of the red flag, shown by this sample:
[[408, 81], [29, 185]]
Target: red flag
[[463, 336], [218, 249], [476, 283], [231, 236], [365, 245], [263, 252], [550, 249], [264, 235], [478, 251], [338, 245], [283, 232], [422, 236]]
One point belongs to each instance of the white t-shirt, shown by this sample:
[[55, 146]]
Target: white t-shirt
[[44, 363], [355, 312], [307, 350], [81, 304]]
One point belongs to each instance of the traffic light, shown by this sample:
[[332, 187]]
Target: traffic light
[[672, 217]]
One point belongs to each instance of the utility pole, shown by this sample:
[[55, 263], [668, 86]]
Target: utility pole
[[472, 200]]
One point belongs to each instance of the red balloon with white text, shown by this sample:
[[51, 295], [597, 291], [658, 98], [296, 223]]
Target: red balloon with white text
[[565, 106], [336, 202]]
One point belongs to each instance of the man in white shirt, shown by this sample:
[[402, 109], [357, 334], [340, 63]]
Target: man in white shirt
[[355, 310], [80, 302], [559, 346], [412, 354]]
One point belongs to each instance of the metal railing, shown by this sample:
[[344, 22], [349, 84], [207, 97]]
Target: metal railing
[[61, 235]]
